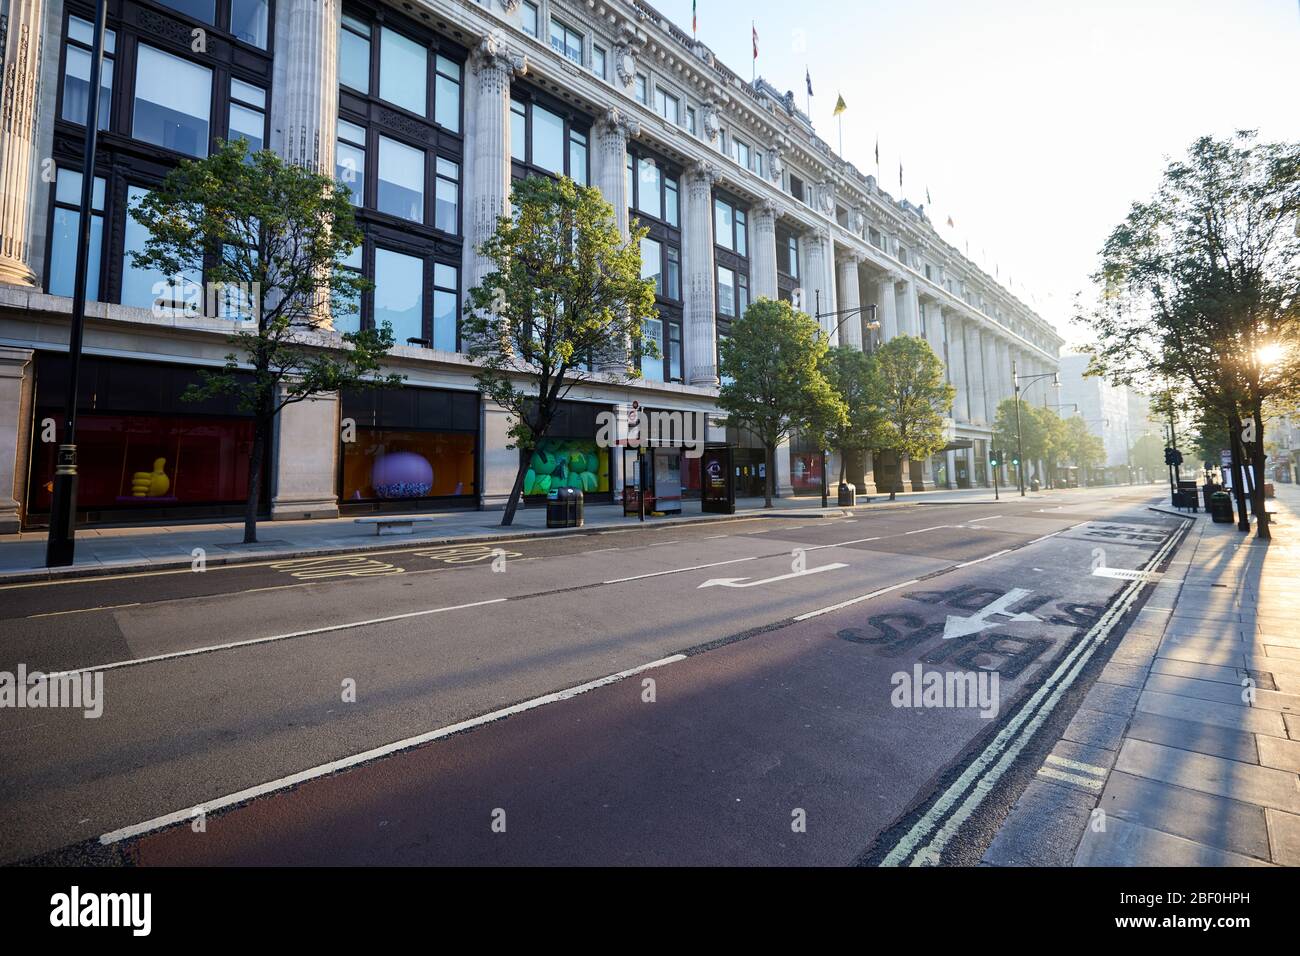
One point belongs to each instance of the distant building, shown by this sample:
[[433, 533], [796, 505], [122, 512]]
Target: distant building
[[1107, 409]]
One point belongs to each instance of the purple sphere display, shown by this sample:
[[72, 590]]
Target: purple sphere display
[[402, 474]]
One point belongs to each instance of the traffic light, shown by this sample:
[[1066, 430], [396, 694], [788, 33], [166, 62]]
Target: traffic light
[[995, 457], [1015, 461], [1173, 456]]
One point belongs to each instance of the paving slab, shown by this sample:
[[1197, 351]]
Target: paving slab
[[1279, 753], [1263, 786], [1131, 844], [1043, 828], [1212, 820], [1096, 728], [1284, 835], [1232, 716], [1194, 735]]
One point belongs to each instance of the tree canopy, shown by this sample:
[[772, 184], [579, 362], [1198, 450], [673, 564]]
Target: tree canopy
[[257, 241], [564, 304], [1199, 286], [773, 383], [912, 397]]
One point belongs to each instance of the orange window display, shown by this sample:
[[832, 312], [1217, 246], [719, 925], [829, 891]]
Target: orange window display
[[385, 464]]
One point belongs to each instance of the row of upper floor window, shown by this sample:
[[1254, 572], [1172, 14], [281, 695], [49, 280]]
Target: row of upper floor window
[[583, 47]]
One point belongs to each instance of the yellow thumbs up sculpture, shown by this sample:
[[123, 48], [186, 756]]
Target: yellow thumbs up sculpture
[[151, 484]]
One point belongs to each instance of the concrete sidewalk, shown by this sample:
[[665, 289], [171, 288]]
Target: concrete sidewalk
[[116, 549], [1186, 752]]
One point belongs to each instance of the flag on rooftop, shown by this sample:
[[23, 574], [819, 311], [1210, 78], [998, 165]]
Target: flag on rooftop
[[840, 106], [808, 79]]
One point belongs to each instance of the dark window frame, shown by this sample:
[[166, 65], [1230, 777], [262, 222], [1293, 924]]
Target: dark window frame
[[380, 118]]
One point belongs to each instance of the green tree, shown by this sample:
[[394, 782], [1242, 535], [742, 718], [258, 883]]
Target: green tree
[[849, 372], [771, 364], [1080, 446], [1200, 288], [564, 305], [911, 397], [267, 237], [1148, 455], [1039, 436]]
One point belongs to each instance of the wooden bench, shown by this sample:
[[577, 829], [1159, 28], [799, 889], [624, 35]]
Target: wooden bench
[[394, 524]]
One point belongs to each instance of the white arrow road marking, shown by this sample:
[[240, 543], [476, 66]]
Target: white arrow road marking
[[961, 626], [736, 582]]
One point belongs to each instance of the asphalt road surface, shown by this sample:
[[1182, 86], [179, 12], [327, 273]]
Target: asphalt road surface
[[720, 693]]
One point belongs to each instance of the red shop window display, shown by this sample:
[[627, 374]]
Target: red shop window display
[[149, 461]]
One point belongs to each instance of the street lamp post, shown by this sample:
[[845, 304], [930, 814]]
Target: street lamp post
[[60, 548], [1020, 436]]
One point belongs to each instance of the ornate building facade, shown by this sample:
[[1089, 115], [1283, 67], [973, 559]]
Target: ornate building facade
[[427, 110]]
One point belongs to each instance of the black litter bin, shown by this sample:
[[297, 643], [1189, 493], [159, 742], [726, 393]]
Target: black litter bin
[[848, 495], [1207, 491], [564, 508], [1221, 507]]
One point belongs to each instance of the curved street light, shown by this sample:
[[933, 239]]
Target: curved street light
[[1016, 379]]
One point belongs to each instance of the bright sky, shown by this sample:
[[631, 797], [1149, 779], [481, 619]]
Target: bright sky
[[1034, 123]]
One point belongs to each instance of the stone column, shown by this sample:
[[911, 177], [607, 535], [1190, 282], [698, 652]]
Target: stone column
[[934, 332], [612, 133], [762, 249], [992, 381], [950, 479], [956, 336], [500, 464], [306, 460], [19, 88], [850, 299], [783, 485], [975, 372], [305, 94], [16, 388], [493, 65], [887, 300], [701, 329], [910, 315], [818, 297]]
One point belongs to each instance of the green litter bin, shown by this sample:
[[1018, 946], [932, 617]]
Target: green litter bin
[[1221, 507]]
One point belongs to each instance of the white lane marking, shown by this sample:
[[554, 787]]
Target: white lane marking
[[736, 582], [85, 610], [711, 537], [660, 544], [987, 557], [986, 518], [857, 600], [1065, 776], [842, 544], [979, 779], [697, 567], [938, 527], [1044, 537], [210, 648], [219, 803]]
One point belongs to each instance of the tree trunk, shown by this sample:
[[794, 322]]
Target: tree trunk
[[255, 465], [896, 478], [516, 492], [1238, 486], [1257, 458], [844, 464], [769, 453]]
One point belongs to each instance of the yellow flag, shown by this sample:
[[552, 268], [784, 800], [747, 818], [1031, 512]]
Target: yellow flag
[[840, 106]]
